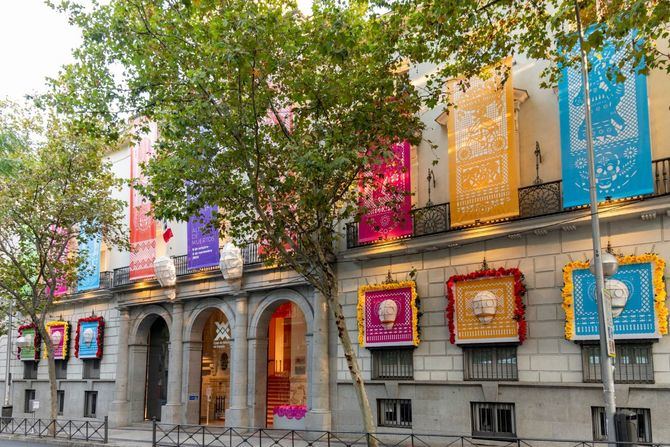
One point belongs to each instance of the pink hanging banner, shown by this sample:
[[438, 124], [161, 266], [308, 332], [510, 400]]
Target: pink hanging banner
[[386, 198], [142, 224]]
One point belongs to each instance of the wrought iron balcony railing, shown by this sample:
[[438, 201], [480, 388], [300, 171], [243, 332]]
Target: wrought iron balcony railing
[[106, 280], [249, 254], [541, 199]]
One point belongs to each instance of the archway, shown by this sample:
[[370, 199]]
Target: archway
[[157, 369], [286, 359], [215, 369]]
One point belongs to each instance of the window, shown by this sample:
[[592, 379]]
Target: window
[[30, 370], [643, 423], [61, 369], [90, 403], [92, 369], [29, 396], [489, 363], [633, 363], [60, 401], [493, 420], [393, 363], [394, 413]]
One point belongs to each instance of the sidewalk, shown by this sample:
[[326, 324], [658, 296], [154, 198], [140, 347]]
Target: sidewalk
[[134, 436]]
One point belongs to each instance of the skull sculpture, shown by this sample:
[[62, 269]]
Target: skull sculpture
[[484, 306], [618, 294], [88, 336], [56, 337], [388, 312]]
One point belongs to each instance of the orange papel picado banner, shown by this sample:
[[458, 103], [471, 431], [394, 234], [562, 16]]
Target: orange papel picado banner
[[483, 154]]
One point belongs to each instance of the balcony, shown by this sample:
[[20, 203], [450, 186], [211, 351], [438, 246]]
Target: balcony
[[106, 281], [542, 199], [249, 254]]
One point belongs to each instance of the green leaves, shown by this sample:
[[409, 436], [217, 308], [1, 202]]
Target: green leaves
[[264, 112], [59, 186]]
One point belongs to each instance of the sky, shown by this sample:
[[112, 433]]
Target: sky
[[35, 41]]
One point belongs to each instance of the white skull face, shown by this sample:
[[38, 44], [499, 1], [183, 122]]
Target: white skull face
[[608, 168], [56, 337], [88, 336], [618, 294], [484, 306], [388, 312]]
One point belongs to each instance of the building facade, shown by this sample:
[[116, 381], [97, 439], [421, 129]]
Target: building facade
[[254, 351]]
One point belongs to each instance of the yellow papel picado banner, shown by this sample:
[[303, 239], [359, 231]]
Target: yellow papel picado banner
[[483, 154]]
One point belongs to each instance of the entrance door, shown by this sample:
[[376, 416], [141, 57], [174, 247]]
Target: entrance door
[[287, 359], [157, 369], [215, 370]]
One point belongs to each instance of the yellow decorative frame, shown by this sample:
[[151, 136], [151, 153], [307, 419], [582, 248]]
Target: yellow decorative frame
[[66, 335], [660, 293], [387, 286]]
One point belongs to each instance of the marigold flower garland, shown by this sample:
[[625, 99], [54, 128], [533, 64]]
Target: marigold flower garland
[[519, 292], [388, 286], [99, 338], [37, 339], [66, 336], [660, 293]]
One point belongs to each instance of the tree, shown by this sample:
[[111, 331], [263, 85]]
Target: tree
[[56, 195], [269, 114], [465, 36]]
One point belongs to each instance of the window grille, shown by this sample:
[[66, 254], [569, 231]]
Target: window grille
[[643, 423], [490, 363], [60, 401], [393, 364], [493, 420], [30, 370], [61, 369], [633, 363], [91, 369], [28, 397], [394, 413], [90, 404]]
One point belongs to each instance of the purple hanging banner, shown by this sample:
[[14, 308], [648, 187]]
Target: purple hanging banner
[[203, 243]]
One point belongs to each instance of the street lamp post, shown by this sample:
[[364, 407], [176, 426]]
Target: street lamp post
[[9, 357], [605, 324]]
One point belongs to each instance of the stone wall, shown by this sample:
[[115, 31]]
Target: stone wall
[[550, 392], [74, 386]]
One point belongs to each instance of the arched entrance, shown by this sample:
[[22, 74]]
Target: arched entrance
[[157, 369], [215, 366], [286, 359]]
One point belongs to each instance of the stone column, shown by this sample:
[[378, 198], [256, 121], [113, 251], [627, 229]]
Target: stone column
[[119, 411], [319, 416], [237, 415], [170, 413]]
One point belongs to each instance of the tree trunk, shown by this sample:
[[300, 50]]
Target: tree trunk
[[53, 390], [352, 361]]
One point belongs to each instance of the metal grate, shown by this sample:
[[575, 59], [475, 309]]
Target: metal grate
[[30, 370], [60, 401], [643, 423], [394, 413], [493, 419], [393, 363], [90, 404], [633, 363], [490, 363]]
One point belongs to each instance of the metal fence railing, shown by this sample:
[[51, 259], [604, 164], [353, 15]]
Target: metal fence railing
[[83, 430], [167, 435]]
